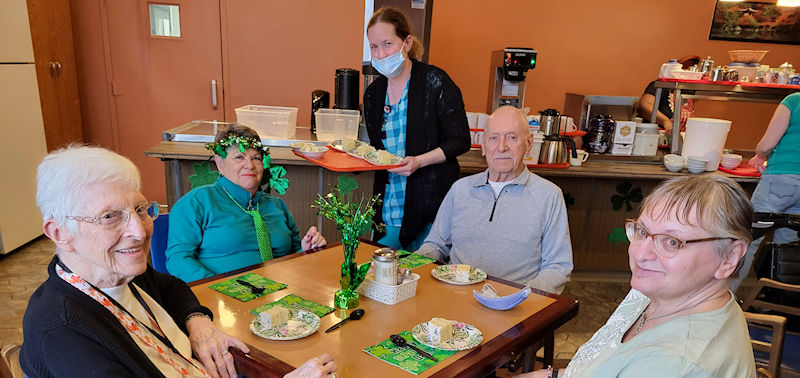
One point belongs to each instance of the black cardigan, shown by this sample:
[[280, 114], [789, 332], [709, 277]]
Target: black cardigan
[[436, 118], [68, 334]]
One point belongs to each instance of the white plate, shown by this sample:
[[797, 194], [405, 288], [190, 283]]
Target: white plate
[[301, 324], [446, 273], [465, 336]]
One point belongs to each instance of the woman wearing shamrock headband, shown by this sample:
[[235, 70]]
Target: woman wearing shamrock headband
[[232, 223]]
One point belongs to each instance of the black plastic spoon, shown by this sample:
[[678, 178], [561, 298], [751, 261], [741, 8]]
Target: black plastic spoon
[[253, 288], [401, 342], [355, 315]]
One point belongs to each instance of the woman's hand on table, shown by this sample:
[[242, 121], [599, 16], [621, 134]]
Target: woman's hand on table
[[757, 162], [210, 345], [317, 367], [541, 373], [313, 239]]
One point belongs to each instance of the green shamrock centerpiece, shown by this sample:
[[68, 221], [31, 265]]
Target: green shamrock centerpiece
[[352, 219]]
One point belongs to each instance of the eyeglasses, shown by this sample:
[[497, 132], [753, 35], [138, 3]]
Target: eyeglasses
[[665, 245], [115, 219]]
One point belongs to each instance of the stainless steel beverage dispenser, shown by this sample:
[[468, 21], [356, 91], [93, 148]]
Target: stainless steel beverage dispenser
[[507, 83]]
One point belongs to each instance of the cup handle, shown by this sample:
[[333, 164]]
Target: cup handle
[[585, 156]]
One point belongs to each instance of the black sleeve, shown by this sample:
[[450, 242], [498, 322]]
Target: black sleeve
[[651, 88], [454, 129]]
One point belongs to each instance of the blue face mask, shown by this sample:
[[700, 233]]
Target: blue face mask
[[488, 297], [392, 65]]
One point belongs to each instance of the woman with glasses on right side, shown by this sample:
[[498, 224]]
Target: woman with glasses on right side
[[679, 319]]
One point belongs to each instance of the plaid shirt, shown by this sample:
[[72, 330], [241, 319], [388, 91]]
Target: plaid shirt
[[687, 109], [394, 127]]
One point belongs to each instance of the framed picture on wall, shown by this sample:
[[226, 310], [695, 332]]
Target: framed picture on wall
[[755, 22]]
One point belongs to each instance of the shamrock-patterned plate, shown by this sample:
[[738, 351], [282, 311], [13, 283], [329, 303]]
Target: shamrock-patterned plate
[[465, 336], [447, 273], [301, 324]]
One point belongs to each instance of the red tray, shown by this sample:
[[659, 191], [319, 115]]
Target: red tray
[[341, 162], [742, 170], [558, 166], [742, 83]]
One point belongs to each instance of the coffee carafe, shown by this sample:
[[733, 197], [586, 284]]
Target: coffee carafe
[[549, 122], [600, 134]]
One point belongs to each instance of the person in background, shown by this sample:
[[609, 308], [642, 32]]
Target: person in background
[[232, 223], [679, 319], [506, 220], [103, 311], [415, 111], [666, 103], [778, 190]]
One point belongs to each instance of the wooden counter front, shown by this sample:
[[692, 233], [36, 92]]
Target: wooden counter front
[[315, 276]]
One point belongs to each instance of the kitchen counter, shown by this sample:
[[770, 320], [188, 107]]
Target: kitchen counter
[[591, 191]]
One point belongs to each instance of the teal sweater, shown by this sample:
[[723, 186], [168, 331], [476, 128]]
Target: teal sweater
[[209, 234]]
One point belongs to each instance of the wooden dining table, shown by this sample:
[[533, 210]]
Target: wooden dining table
[[314, 275]]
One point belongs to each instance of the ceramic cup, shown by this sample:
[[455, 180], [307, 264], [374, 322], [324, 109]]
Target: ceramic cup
[[582, 156], [477, 136]]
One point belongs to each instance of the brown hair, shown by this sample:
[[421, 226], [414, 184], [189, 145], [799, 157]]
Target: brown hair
[[722, 207], [397, 19], [235, 129]]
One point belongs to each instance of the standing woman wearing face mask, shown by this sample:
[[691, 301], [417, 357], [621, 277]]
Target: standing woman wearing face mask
[[416, 111]]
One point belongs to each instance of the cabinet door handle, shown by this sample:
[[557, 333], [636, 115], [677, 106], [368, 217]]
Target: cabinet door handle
[[52, 69], [214, 94], [58, 69]]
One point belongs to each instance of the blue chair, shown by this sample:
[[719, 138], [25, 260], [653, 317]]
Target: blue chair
[[158, 243]]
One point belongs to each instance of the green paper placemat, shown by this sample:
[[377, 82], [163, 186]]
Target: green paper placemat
[[414, 261], [292, 300], [241, 292], [406, 358]]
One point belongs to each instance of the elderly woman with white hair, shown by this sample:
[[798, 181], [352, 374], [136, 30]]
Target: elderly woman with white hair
[[679, 319], [104, 311]]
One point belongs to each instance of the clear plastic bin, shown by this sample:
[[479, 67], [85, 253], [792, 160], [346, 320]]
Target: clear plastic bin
[[335, 124], [269, 121]]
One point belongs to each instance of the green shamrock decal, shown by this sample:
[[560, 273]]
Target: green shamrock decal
[[617, 236], [627, 194], [379, 350], [410, 365], [347, 184], [202, 175]]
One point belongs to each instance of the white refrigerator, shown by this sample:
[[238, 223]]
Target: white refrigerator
[[22, 143]]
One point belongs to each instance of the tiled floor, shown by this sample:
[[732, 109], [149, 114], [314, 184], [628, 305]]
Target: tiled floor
[[598, 294]]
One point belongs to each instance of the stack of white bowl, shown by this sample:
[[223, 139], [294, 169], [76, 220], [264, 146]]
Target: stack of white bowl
[[730, 161], [696, 164], [674, 163]]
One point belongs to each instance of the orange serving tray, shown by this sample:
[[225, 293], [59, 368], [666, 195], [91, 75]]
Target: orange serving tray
[[559, 166], [741, 170], [342, 162]]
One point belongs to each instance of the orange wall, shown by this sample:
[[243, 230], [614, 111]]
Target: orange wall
[[612, 47], [276, 53]]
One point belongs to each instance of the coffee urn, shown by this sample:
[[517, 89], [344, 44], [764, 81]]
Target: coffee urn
[[346, 89]]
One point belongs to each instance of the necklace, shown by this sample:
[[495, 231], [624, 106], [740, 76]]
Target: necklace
[[645, 318]]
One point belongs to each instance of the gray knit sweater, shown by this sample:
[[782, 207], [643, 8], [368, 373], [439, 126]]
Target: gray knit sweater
[[520, 235]]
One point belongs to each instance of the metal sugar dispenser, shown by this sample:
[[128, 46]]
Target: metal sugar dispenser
[[554, 148], [384, 261]]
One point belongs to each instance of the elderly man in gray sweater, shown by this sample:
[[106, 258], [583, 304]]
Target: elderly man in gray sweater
[[506, 220]]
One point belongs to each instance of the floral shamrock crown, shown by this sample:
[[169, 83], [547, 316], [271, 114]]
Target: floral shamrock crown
[[273, 175]]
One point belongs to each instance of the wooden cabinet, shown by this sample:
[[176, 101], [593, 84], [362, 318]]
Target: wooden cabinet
[[54, 53]]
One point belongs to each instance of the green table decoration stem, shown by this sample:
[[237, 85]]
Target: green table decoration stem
[[352, 220]]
